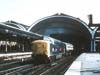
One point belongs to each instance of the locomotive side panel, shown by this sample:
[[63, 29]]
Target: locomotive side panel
[[57, 50]]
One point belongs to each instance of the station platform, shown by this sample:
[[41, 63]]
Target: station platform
[[13, 56], [85, 64]]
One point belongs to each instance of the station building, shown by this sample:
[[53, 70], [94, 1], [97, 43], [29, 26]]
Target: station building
[[17, 37]]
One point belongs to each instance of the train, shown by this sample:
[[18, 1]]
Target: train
[[49, 49]]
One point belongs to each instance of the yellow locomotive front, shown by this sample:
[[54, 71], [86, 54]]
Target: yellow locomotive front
[[40, 51], [39, 47]]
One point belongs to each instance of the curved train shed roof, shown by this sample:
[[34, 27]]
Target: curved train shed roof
[[61, 23]]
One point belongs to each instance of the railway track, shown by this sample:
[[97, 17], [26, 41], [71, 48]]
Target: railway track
[[28, 69], [61, 67], [57, 68], [9, 65], [12, 64], [16, 70]]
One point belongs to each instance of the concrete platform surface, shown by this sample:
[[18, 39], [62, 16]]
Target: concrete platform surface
[[85, 64]]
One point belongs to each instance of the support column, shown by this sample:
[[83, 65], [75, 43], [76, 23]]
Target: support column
[[23, 46], [6, 48], [93, 49], [93, 45]]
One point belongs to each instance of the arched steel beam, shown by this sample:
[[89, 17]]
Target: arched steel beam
[[62, 16]]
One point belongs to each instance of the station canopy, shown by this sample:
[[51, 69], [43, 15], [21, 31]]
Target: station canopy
[[16, 25], [14, 29]]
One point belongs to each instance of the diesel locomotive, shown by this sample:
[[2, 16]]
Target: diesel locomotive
[[49, 49]]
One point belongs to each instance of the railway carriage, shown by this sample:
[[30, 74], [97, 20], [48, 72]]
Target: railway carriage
[[69, 48]]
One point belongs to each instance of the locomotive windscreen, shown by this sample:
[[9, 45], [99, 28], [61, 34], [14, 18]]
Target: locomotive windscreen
[[39, 47]]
